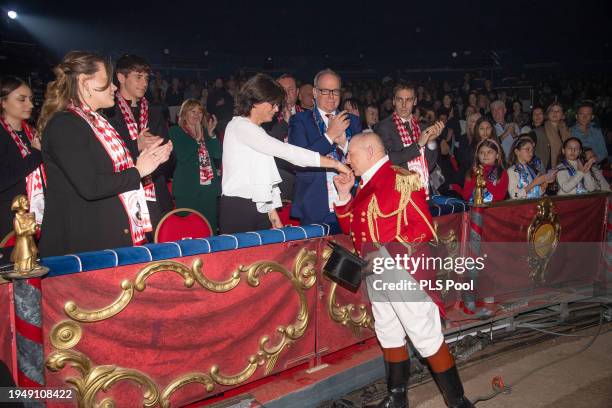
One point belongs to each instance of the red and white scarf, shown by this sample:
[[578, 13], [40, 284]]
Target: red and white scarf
[[128, 116], [134, 201], [37, 178], [418, 164], [206, 172], [134, 130]]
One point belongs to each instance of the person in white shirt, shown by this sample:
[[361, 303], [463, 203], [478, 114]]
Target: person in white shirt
[[250, 192]]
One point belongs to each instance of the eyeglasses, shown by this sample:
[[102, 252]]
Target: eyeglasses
[[334, 92]]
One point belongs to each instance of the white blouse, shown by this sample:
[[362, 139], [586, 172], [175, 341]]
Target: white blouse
[[249, 170]]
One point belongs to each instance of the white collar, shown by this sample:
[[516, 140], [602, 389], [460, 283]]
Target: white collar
[[368, 174], [324, 114]]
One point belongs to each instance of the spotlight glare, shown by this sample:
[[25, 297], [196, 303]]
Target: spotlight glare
[[12, 14]]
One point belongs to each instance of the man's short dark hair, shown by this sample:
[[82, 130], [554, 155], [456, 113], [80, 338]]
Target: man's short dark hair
[[400, 86], [286, 76], [132, 63], [585, 104], [260, 88]]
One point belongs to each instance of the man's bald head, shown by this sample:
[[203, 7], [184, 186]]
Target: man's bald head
[[365, 149]]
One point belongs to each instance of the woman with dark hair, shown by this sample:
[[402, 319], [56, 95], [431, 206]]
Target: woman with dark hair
[[95, 199], [484, 129], [371, 117], [555, 132], [21, 170], [250, 193], [354, 106]]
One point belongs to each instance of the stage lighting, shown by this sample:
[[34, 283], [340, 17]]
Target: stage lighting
[[12, 14]]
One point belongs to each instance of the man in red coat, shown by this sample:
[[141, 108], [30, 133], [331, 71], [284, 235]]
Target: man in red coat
[[390, 208]]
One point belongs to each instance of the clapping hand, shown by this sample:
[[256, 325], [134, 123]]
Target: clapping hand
[[211, 125], [431, 133], [146, 139], [152, 156]]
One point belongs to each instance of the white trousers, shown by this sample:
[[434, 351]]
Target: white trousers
[[398, 313]]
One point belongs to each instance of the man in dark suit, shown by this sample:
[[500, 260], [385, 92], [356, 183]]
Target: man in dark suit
[[278, 128], [402, 150], [140, 125], [327, 131]]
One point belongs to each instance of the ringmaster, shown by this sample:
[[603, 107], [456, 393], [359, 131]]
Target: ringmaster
[[390, 207]]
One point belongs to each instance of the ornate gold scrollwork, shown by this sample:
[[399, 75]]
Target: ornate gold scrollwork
[[543, 237], [345, 314], [65, 335], [302, 277], [100, 378]]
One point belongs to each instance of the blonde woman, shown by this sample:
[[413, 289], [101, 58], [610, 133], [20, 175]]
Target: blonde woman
[[196, 184], [94, 197]]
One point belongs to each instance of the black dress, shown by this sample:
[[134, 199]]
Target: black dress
[[83, 211], [13, 171]]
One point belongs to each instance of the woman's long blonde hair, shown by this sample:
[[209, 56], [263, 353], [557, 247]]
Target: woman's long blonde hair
[[65, 88]]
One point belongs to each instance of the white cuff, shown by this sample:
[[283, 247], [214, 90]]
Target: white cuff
[[340, 203]]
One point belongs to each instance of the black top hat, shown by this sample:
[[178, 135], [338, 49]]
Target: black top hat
[[344, 267]]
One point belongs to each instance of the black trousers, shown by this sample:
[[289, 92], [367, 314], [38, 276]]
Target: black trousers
[[237, 214]]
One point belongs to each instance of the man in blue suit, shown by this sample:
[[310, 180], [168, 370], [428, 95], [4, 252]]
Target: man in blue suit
[[327, 131]]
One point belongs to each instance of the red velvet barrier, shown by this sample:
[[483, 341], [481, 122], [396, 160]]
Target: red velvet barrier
[[169, 330], [576, 260]]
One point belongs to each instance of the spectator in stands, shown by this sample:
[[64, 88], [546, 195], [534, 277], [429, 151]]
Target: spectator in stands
[[600, 181], [549, 149], [523, 180], [536, 127], [518, 116], [140, 125], [406, 143], [473, 100], [354, 107], [306, 96], [328, 132], [20, 157], [94, 198], [174, 98], [483, 129], [574, 175], [489, 157], [588, 133], [191, 92], [221, 104], [196, 184], [371, 117], [250, 193], [506, 132], [278, 128]]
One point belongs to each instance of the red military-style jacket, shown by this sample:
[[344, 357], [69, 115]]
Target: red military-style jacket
[[390, 208]]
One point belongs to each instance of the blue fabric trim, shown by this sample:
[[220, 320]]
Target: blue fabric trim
[[62, 265]]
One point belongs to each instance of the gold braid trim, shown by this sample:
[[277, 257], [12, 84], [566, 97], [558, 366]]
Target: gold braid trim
[[405, 183]]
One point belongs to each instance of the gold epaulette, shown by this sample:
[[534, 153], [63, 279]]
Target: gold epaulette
[[406, 181]]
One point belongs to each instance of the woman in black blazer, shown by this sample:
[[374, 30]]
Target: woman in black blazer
[[94, 195], [20, 156]]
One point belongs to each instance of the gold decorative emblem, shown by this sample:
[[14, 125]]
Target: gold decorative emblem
[[543, 237], [480, 186], [67, 334]]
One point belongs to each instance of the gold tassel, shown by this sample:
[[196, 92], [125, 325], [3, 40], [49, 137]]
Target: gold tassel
[[407, 181]]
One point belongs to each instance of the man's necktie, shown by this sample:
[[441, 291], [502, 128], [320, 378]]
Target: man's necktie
[[339, 151]]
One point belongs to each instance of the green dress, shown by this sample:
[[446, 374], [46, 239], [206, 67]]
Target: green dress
[[186, 186]]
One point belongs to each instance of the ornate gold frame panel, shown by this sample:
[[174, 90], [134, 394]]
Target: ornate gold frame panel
[[451, 243], [345, 314], [66, 334], [543, 237]]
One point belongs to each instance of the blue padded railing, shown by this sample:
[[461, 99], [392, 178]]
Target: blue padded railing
[[109, 258]]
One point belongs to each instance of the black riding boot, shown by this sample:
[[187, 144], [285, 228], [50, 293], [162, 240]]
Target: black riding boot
[[397, 382], [452, 389]]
